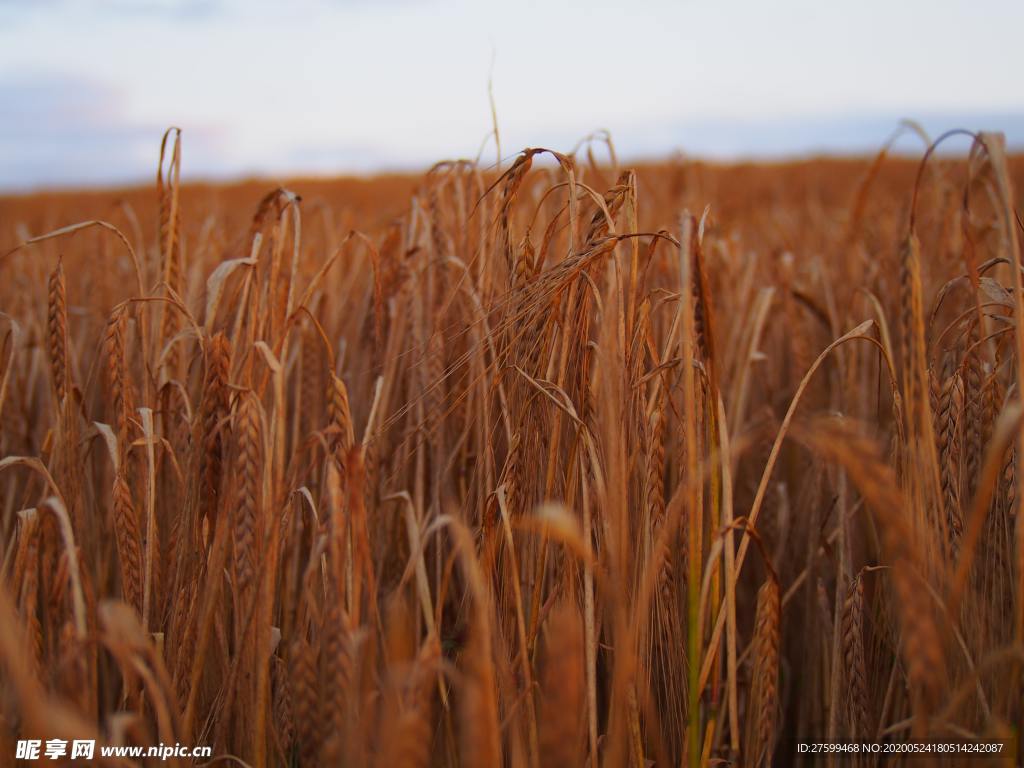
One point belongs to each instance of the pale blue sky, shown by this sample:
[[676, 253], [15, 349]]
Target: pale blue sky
[[325, 86]]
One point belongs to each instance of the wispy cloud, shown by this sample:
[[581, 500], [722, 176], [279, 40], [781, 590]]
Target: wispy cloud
[[63, 129], [261, 86], [829, 134], [182, 9], [169, 8]]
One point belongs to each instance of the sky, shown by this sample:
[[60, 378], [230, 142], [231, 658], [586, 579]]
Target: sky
[[87, 87]]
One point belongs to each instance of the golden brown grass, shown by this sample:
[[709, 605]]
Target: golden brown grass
[[465, 469]]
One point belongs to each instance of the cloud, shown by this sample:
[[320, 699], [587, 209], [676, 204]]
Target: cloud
[[793, 136], [342, 157], [67, 130], [61, 129], [186, 10], [98, 12], [172, 9]]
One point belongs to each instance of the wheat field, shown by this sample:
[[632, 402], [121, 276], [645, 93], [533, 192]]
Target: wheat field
[[555, 462]]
